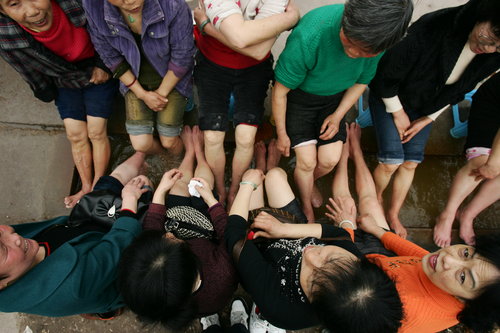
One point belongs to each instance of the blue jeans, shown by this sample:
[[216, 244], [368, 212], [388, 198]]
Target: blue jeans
[[390, 148], [94, 100]]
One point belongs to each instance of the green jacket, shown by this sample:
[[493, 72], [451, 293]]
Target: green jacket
[[79, 277]]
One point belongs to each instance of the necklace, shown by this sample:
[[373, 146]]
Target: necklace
[[130, 18]]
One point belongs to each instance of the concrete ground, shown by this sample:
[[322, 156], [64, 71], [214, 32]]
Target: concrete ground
[[37, 172]]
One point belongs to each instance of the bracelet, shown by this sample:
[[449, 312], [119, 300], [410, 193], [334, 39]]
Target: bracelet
[[130, 85], [202, 26], [249, 183], [346, 221]]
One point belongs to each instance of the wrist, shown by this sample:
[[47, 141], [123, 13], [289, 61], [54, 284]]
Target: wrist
[[202, 26], [252, 184]]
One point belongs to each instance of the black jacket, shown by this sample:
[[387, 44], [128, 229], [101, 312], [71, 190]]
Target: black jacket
[[416, 69]]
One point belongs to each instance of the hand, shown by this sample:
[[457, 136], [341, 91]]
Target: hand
[[154, 101], [133, 189], [415, 127], [401, 121], [206, 192], [293, 11], [283, 143], [168, 180], [341, 209], [268, 226], [199, 14], [367, 223], [99, 76], [330, 127], [486, 171], [255, 176]]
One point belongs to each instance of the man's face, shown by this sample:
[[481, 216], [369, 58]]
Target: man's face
[[35, 15], [353, 49], [17, 254]]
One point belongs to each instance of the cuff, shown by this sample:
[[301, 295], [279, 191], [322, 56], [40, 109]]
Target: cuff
[[121, 69], [157, 208], [436, 114], [179, 71], [128, 213], [392, 104]]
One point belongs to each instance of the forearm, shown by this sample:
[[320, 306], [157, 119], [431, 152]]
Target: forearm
[[129, 203], [168, 83], [279, 101], [258, 51], [350, 97], [241, 203], [243, 33], [159, 196], [128, 79], [494, 159], [303, 230]]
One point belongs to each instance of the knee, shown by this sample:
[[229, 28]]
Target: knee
[[306, 165], [329, 162], [409, 165], [169, 142], [76, 137], [213, 138], [245, 140], [143, 146], [276, 174], [95, 134], [388, 168]]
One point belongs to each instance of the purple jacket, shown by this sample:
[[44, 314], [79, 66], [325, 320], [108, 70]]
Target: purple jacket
[[167, 38]]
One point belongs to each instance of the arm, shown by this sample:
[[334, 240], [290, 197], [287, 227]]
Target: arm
[[491, 168], [153, 100], [418, 124], [131, 192], [330, 125], [279, 101], [241, 202]]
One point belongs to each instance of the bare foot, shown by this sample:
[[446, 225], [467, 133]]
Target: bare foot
[[72, 200], [397, 226], [467, 228], [273, 155], [442, 229], [316, 197], [186, 136], [260, 155], [354, 137]]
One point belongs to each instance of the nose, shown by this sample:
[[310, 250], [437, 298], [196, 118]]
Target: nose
[[31, 9], [450, 262]]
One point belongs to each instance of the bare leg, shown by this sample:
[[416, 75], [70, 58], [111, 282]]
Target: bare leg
[[401, 186], [328, 157], [489, 193], [382, 176], [101, 150], [245, 139], [278, 190], [216, 158], [76, 131], [462, 186], [130, 168], [260, 155], [365, 186], [172, 143], [146, 143], [202, 168], [273, 155], [187, 165], [257, 198], [304, 177]]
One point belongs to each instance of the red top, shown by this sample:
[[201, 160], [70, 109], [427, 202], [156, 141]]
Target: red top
[[222, 55], [426, 307], [63, 38]]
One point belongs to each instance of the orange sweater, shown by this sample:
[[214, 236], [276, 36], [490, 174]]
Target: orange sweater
[[426, 307]]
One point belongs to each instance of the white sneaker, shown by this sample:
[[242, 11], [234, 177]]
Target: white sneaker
[[257, 323], [273, 329], [239, 313], [208, 321]]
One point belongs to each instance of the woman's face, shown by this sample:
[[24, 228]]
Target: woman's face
[[315, 256], [35, 15], [17, 255], [459, 271], [353, 49], [483, 40], [128, 6]]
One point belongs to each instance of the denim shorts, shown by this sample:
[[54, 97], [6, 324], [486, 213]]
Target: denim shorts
[[94, 100], [216, 83], [305, 114], [141, 119], [390, 148]]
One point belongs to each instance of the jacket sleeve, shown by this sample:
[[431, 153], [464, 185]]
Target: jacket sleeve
[[43, 86], [218, 216], [155, 217], [181, 40], [109, 55]]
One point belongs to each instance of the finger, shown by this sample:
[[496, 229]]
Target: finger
[[287, 151], [330, 209], [330, 216], [336, 207]]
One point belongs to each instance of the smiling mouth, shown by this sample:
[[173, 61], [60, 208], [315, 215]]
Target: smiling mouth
[[40, 23], [25, 246], [433, 261]]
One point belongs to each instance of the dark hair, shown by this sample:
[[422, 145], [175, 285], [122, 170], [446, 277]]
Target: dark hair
[[489, 11], [376, 24], [156, 276], [356, 296], [482, 313]]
